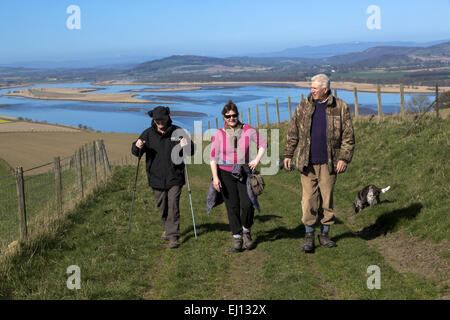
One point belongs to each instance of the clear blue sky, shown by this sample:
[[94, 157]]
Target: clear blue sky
[[34, 30]]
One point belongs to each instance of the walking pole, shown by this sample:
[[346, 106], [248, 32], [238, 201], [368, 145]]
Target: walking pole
[[190, 198], [134, 190]]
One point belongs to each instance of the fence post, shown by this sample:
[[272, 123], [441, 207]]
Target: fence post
[[303, 97], [335, 92], [257, 116], [217, 123], [380, 109], [79, 165], [278, 112], [249, 117], [267, 113], [94, 164], [355, 92], [437, 101], [209, 124], [101, 158], [289, 104], [58, 183], [21, 204], [105, 156], [242, 116], [402, 100]]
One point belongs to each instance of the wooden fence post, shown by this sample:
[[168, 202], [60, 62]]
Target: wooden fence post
[[242, 116], [278, 112], [249, 117], [335, 92], [355, 93], [217, 123], [437, 101], [267, 113], [79, 165], [21, 204], [58, 184], [105, 156], [101, 158], [402, 100], [380, 109], [303, 98], [257, 116], [94, 164], [289, 104]]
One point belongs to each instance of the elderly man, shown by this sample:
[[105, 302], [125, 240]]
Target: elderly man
[[320, 143]]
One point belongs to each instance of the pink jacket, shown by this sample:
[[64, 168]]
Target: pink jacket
[[223, 151]]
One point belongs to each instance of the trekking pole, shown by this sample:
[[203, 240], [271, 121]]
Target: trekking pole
[[134, 190], [190, 198]]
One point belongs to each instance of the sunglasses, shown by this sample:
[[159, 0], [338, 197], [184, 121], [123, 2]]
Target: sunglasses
[[228, 116]]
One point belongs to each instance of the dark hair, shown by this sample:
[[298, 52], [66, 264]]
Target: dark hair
[[230, 106]]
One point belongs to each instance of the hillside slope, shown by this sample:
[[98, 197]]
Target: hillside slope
[[406, 235]]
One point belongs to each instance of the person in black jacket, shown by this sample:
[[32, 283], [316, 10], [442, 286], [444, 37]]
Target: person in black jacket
[[164, 145]]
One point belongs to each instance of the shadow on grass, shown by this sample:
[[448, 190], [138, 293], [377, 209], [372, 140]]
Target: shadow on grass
[[203, 229], [384, 223]]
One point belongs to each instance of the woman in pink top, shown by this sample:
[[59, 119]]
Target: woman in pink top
[[230, 146]]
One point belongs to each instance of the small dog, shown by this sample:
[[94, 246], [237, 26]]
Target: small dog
[[367, 196]]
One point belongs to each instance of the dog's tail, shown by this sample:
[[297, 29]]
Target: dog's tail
[[385, 189]]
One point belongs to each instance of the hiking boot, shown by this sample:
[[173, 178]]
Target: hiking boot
[[237, 244], [249, 244], [164, 237], [308, 247], [174, 243], [325, 241]]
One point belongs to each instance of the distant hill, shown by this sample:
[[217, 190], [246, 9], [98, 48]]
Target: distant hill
[[324, 51]]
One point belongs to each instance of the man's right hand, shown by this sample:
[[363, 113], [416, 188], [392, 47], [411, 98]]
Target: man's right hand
[[140, 143], [287, 164]]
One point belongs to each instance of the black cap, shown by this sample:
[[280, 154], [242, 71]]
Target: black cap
[[160, 113]]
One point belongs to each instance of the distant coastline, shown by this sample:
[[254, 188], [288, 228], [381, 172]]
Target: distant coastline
[[339, 85], [76, 94]]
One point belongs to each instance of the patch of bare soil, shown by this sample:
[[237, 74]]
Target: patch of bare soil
[[407, 254]]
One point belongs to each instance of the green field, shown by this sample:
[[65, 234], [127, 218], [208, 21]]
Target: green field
[[406, 235]]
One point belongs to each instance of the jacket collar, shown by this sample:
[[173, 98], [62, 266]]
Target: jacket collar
[[330, 99]]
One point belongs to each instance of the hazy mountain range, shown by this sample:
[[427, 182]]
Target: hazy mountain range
[[124, 61]]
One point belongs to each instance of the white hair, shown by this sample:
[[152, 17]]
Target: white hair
[[322, 79]]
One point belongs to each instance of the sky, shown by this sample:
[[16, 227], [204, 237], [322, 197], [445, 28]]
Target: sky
[[38, 30]]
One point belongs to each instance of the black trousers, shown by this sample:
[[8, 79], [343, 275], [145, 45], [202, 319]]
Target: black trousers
[[236, 199]]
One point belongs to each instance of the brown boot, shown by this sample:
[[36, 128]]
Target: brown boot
[[308, 247], [174, 243], [249, 244], [325, 241], [237, 244]]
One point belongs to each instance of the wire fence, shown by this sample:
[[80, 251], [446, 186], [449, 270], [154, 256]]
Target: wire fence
[[33, 200]]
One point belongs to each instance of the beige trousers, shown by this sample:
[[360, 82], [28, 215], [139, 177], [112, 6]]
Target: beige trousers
[[317, 195]]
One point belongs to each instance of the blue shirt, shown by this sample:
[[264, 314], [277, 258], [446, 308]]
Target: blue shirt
[[319, 154]]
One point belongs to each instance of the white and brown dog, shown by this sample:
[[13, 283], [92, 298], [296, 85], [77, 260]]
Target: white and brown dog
[[367, 196]]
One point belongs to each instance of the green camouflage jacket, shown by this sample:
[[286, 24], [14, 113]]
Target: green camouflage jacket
[[340, 136]]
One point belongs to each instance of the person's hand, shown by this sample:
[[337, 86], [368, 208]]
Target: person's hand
[[287, 164], [253, 164], [183, 142], [341, 166], [216, 183], [140, 143]]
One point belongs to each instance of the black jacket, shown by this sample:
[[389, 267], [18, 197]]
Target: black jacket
[[162, 173]]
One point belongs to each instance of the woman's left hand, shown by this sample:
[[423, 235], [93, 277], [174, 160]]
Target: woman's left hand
[[253, 164]]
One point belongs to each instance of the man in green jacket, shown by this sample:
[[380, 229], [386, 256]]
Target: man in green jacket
[[320, 143]]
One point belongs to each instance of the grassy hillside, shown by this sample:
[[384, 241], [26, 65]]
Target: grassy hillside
[[406, 235]]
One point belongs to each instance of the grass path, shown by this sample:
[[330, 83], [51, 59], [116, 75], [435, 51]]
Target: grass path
[[117, 265]]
